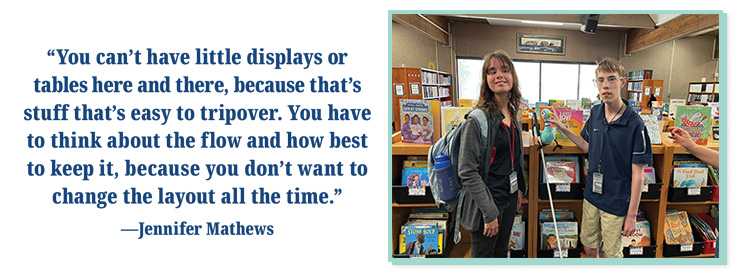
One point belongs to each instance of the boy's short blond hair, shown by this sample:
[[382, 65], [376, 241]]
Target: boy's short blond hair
[[609, 64]]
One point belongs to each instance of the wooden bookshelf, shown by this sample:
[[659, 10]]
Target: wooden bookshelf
[[419, 83], [655, 209]]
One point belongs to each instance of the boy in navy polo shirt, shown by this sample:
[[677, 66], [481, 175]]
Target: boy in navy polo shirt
[[617, 145]]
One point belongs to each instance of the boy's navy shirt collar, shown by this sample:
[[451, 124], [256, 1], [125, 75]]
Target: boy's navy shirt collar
[[623, 119]]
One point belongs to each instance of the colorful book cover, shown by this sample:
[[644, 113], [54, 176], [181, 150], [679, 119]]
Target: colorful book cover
[[421, 240], [557, 103], [652, 126], [467, 102], [568, 235], [517, 236], [641, 236], [690, 177], [452, 116], [562, 169], [696, 120], [419, 127], [572, 119], [677, 228], [414, 177]]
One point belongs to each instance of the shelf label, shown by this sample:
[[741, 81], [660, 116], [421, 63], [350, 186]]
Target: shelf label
[[686, 247], [645, 188], [694, 191], [564, 253], [636, 250], [562, 187], [417, 191]]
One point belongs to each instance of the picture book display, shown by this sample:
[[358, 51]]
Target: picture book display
[[417, 121], [562, 169], [641, 236], [572, 119], [677, 228], [652, 126], [568, 235], [420, 240], [690, 177], [696, 120], [517, 234], [414, 177], [452, 116]]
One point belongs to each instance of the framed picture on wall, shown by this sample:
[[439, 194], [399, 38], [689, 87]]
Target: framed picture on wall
[[414, 88], [398, 89], [540, 44]]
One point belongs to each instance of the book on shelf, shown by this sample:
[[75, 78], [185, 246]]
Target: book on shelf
[[467, 102], [420, 240], [574, 104], [696, 120], [557, 103], [517, 234], [419, 128], [451, 117], [560, 214], [415, 164], [568, 235], [415, 177], [562, 169], [649, 175], [572, 119], [677, 228], [640, 237], [652, 127], [690, 177], [713, 174]]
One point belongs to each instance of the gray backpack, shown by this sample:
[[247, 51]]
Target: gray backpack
[[450, 145]]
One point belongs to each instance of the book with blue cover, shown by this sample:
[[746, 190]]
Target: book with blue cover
[[415, 176]]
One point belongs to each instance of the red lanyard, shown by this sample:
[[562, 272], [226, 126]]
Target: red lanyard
[[512, 140]]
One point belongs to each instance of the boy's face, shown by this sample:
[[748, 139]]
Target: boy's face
[[609, 85]]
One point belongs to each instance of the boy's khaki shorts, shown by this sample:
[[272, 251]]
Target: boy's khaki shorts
[[597, 225]]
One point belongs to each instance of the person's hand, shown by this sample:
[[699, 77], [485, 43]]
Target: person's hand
[[554, 119], [628, 228], [682, 137], [518, 204], [491, 228]]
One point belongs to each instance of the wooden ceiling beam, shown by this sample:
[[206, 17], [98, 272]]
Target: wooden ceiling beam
[[683, 25], [424, 25]]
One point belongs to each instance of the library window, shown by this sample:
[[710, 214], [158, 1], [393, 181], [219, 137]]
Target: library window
[[539, 80]]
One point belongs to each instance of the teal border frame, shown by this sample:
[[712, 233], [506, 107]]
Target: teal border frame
[[722, 260]]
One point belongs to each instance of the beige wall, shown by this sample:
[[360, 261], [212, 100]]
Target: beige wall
[[412, 48], [692, 60], [476, 40]]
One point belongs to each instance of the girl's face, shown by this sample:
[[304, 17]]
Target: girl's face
[[415, 120], [425, 122], [499, 76]]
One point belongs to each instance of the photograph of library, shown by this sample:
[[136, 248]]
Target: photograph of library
[[555, 135]]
